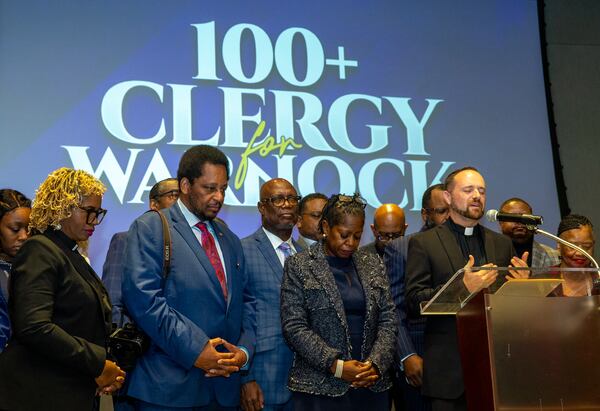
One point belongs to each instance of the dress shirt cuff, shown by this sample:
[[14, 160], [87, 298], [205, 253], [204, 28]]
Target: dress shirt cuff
[[402, 360], [246, 365]]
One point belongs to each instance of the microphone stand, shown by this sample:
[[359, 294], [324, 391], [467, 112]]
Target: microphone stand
[[537, 230]]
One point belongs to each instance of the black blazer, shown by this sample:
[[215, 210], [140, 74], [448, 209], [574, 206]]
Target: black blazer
[[433, 257], [314, 321], [60, 315]]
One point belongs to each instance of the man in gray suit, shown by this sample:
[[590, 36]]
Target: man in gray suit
[[264, 388], [309, 215]]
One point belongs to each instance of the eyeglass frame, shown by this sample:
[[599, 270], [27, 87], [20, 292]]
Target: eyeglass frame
[[283, 199], [388, 236], [437, 211], [100, 213], [169, 193]]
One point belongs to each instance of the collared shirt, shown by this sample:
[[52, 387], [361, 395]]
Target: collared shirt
[[276, 242], [192, 220], [308, 241]]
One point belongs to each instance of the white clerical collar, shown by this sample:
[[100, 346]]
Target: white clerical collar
[[468, 231]]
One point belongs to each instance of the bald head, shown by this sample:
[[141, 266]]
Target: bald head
[[389, 223], [278, 207]]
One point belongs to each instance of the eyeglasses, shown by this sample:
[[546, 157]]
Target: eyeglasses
[[343, 200], [173, 194], [388, 236], [279, 201], [93, 214], [438, 211]]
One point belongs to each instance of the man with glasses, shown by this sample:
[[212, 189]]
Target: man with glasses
[[309, 215], [164, 194], [265, 386], [201, 318], [434, 210], [389, 223]]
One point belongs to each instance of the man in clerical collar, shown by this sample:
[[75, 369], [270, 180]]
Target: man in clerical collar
[[540, 255], [433, 257], [309, 215]]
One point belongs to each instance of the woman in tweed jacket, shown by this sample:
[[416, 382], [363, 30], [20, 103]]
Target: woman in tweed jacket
[[338, 316]]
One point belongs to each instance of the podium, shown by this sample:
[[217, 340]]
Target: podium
[[531, 344]]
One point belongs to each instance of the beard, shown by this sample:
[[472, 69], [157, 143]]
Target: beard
[[469, 213]]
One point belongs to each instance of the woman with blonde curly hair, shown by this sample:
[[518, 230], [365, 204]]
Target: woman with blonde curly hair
[[60, 312]]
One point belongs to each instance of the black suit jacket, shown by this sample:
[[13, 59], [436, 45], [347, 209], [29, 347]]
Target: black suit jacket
[[433, 257], [60, 315]]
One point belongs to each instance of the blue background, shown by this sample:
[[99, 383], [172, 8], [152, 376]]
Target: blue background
[[482, 58]]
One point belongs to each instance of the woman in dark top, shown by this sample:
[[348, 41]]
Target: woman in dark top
[[338, 317], [14, 220], [59, 310]]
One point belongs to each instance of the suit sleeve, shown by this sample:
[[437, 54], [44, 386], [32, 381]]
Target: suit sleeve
[[419, 283], [395, 262], [112, 271], [248, 336], [384, 347], [142, 293], [295, 325], [35, 280]]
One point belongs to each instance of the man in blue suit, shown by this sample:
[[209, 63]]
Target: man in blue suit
[[201, 318], [265, 386]]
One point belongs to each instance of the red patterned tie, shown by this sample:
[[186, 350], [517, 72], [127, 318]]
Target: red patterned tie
[[210, 248]]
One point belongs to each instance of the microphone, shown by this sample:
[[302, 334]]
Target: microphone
[[526, 219]]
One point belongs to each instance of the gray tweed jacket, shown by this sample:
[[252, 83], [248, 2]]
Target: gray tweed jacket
[[315, 327]]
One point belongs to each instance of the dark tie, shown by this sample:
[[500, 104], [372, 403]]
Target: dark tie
[[210, 248], [286, 250]]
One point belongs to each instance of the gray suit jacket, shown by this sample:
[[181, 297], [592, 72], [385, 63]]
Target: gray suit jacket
[[543, 255], [315, 327]]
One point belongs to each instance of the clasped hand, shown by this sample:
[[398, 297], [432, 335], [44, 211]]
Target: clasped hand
[[111, 379], [478, 280], [359, 374], [220, 364]]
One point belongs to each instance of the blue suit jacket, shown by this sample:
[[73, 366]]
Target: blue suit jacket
[[112, 273], [184, 313], [273, 359], [410, 330]]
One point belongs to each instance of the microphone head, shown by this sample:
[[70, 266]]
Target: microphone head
[[492, 215]]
